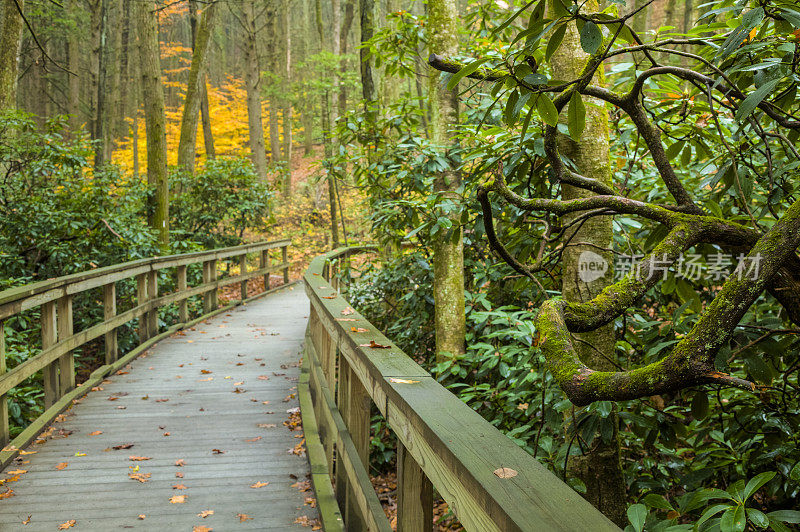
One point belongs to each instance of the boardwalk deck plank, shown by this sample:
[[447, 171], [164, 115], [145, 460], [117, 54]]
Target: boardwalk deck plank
[[201, 386]]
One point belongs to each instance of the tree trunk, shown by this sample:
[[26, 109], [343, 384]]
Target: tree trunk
[[599, 468], [121, 128], [113, 75], [272, 46], [287, 102], [187, 146], [349, 13], [448, 249], [10, 40], [73, 63], [205, 114], [252, 74], [155, 119], [328, 116]]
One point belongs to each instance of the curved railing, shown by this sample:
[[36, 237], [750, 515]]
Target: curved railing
[[348, 366], [59, 339]]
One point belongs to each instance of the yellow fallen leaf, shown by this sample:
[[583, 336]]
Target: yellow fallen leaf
[[177, 499], [259, 484], [80, 454], [402, 381], [17, 472], [28, 520], [243, 517], [23, 453], [138, 458], [253, 439], [96, 433], [199, 528], [62, 465], [205, 513], [68, 524], [141, 516], [141, 477]]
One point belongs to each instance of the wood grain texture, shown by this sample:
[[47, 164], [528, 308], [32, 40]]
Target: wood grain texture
[[166, 391]]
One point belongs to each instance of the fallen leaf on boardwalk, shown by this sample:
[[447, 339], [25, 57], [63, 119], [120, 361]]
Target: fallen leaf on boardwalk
[[141, 516], [217, 451], [9, 448], [97, 389], [166, 434], [238, 383], [62, 465], [161, 400], [179, 487], [243, 517], [238, 390], [347, 311], [375, 345], [178, 475], [329, 297], [402, 381], [177, 499], [205, 371], [28, 520], [17, 472], [145, 398], [206, 380], [310, 501], [141, 477], [9, 479], [68, 524], [23, 453], [180, 365], [80, 454], [298, 449], [263, 378], [6, 494], [122, 446], [113, 398], [138, 458], [267, 425], [358, 329], [96, 433], [302, 485], [122, 372], [253, 439], [304, 520], [259, 484], [121, 407], [345, 319], [201, 529], [264, 402], [180, 463], [205, 513], [189, 341], [505, 472]]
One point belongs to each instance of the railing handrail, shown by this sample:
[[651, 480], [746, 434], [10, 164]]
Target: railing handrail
[[61, 285], [453, 446], [59, 338]]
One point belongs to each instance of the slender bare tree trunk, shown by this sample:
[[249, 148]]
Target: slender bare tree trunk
[[155, 118], [448, 249], [187, 146], [287, 101], [252, 75], [73, 62], [205, 113]]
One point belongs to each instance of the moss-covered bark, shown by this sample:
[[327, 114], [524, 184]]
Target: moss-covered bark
[[448, 252], [10, 38], [599, 467]]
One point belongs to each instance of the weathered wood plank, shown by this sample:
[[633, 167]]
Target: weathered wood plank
[[109, 311], [49, 338], [4, 428], [414, 494], [66, 364]]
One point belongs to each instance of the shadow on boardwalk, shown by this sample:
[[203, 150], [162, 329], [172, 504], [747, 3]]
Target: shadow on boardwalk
[[194, 426]]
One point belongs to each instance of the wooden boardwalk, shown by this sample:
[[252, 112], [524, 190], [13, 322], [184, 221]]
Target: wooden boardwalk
[[206, 408]]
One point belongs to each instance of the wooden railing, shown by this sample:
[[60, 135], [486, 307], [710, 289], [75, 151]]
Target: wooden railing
[[441, 442], [59, 339]]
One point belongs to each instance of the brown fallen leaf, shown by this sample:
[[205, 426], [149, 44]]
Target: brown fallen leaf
[[267, 425], [122, 446], [375, 345], [62, 465], [141, 477], [177, 499], [243, 517], [179, 487], [217, 451], [178, 475], [347, 311], [259, 484], [263, 378], [358, 329], [113, 398], [96, 433], [205, 513], [238, 383], [161, 400], [505, 472], [205, 380], [17, 472], [253, 439], [205, 371], [68, 524], [200, 528], [329, 297], [27, 521], [141, 517], [180, 463], [166, 434], [138, 458], [6, 494], [238, 390]]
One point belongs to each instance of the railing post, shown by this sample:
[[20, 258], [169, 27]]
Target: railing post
[[66, 363], [152, 293], [264, 263], [414, 494], [209, 276], [5, 436], [342, 485], [285, 260], [141, 299], [243, 271], [183, 305], [109, 311], [50, 372]]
